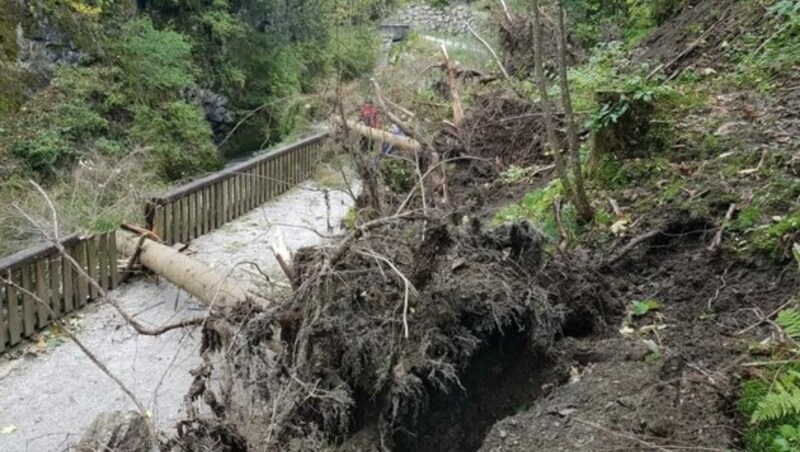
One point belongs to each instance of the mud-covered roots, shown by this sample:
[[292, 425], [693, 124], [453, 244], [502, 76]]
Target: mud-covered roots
[[373, 333]]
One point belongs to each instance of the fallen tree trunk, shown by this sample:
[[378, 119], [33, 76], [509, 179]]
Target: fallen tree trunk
[[204, 283], [404, 143]]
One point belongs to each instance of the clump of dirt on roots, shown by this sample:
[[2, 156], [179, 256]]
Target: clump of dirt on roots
[[381, 322]]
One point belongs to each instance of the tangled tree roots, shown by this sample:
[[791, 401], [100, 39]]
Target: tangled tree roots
[[504, 130], [382, 320]]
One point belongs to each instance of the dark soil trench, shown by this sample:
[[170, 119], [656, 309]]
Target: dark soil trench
[[505, 377]]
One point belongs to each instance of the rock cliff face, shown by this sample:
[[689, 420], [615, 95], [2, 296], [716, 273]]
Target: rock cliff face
[[215, 108], [448, 19], [46, 48]]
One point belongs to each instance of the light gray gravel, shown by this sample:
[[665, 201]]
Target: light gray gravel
[[48, 399]]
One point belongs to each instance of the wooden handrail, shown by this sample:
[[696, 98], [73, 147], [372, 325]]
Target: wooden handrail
[[203, 182], [34, 253]]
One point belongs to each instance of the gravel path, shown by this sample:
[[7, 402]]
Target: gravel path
[[52, 393]]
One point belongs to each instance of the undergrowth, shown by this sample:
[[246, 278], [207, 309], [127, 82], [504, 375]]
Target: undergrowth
[[771, 402]]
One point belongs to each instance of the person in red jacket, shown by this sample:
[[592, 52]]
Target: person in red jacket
[[370, 116]]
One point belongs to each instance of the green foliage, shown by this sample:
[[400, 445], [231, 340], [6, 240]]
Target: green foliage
[[779, 52], [537, 207], [642, 307], [773, 404], [635, 89], [350, 219], [782, 401], [154, 62], [789, 321], [61, 121], [397, 175], [596, 21], [180, 138], [43, 152], [513, 174], [355, 51]]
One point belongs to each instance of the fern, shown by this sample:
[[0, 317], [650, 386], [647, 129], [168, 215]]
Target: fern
[[789, 321], [782, 401]]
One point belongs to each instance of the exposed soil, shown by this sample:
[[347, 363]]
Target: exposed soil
[[675, 392], [502, 379]]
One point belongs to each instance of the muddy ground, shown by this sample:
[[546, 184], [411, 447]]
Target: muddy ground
[[668, 383]]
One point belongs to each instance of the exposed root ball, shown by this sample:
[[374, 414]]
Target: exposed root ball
[[335, 358], [505, 130]]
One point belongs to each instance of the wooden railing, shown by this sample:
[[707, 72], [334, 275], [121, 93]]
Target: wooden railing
[[45, 273], [206, 204], [183, 214]]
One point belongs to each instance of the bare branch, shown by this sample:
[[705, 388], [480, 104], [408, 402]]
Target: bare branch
[[490, 49]]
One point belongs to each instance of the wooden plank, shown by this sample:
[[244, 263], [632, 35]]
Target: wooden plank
[[262, 177], [293, 168], [273, 181], [55, 285], [42, 289], [81, 283], [102, 260], [212, 190], [226, 199], [13, 317], [175, 207], [236, 200], [5, 335], [248, 193], [242, 193], [112, 260], [268, 179], [217, 205], [212, 211], [201, 212], [28, 303], [251, 190], [68, 277], [166, 234], [191, 219], [184, 220], [91, 265]]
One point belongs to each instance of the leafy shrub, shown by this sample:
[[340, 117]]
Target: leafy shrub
[[180, 139], [44, 152], [153, 62]]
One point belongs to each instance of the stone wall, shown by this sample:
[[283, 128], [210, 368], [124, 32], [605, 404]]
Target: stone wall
[[448, 19]]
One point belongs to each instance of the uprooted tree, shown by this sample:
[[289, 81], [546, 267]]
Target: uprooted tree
[[381, 320]]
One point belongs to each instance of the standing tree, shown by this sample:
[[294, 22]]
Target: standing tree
[[567, 158], [585, 212]]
